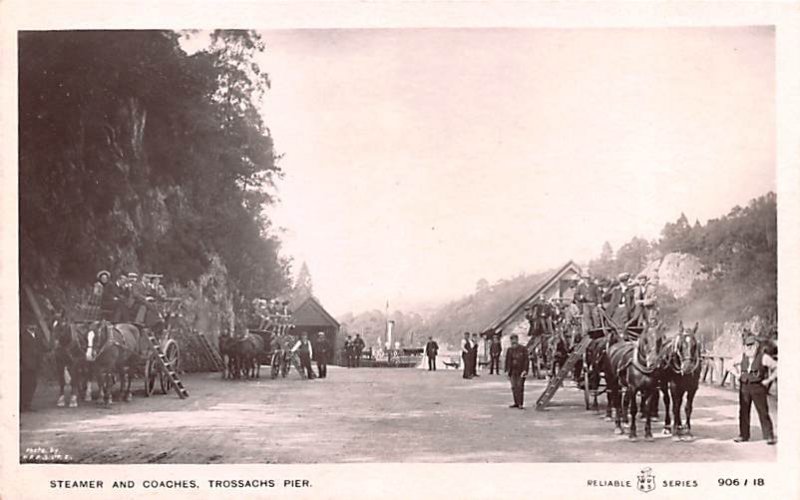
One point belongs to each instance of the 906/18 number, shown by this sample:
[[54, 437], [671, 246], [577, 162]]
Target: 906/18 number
[[757, 481]]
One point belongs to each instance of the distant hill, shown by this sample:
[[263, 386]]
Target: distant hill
[[448, 322], [720, 272]]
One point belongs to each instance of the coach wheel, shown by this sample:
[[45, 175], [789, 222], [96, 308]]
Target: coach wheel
[[172, 354], [150, 375], [275, 366], [585, 382]]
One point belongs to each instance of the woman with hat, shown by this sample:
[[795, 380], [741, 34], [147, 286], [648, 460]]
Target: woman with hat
[[756, 371], [103, 295]]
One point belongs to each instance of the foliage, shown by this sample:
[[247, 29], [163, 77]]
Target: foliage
[[738, 250], [136, 154]]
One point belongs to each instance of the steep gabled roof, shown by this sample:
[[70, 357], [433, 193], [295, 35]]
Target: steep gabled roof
[[516, 308], [311, 313]]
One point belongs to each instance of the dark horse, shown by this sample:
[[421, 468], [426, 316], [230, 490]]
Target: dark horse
[[681, 375], [557, 352], [598, 364], [70, 362], [637, 368], [227, 349], [114, 349], [249, 350]]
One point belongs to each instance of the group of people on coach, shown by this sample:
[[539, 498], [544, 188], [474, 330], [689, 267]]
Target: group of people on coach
[[625, 300], [128, 299]]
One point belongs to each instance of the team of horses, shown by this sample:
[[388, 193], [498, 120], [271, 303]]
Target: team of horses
[[98, 351], [242, 355], [636, 371]]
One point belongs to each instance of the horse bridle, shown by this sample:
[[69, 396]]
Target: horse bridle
[[90, 337], [679, 354]]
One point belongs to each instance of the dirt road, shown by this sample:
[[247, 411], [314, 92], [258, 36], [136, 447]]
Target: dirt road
[[365, 415]]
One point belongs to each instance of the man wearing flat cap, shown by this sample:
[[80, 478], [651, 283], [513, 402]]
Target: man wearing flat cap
[[638, 292], [619, 306], [517, 370], [756, 371]]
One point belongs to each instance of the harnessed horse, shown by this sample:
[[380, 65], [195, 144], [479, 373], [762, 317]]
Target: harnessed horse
[[71, 366], [249, 349], [681, 375], [114, 349], [227, 349], [596, 363], [637, 366]]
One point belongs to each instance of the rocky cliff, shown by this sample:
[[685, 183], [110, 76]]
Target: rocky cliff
[[135, 157], [677, 272]]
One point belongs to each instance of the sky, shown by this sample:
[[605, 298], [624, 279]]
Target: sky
[[420, 161]]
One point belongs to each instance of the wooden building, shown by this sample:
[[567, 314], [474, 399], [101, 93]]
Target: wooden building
[[310, 317], [560, 284]]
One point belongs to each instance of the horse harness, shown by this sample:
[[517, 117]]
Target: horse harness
[[678, 356], [110, 341]]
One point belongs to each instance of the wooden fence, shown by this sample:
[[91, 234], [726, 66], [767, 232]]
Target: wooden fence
[[716, 369]]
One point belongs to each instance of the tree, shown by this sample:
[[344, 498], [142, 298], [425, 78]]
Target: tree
[[136, 154], [481, 286], [303, 286], [632, 256], [605, 265]]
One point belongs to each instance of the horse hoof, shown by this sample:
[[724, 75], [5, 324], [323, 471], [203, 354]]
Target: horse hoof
[[666, 432], [677, 438], [633, 439], [688, 438], [73, 402], [60, 402], [618, 430], [649, 439], [607, 418]]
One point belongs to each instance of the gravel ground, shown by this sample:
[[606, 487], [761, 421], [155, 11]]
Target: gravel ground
[[370, 415]]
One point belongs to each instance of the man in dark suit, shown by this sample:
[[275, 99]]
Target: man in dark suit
[[474, 355], [517, 370], [466, 358], [495, 350], [358, 348], [348, 352], [322, 352], [32, 346], [618, 308], [431, 350]]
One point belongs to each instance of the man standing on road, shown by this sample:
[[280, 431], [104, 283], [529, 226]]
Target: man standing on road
[[756, 371], [474, 355], [495, 350], [517, 370], [466, 350], [322, 352], [358, 348], [32, 347], [304, 352], [348, 351], [431, 350]]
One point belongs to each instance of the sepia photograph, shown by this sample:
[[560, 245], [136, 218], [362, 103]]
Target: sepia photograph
[[294, 246]]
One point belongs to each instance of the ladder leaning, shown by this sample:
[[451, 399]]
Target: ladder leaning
[[167, 367], [211, 354], [555, 383]]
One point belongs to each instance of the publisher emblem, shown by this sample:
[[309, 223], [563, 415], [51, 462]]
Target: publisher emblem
[[646, 481]]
